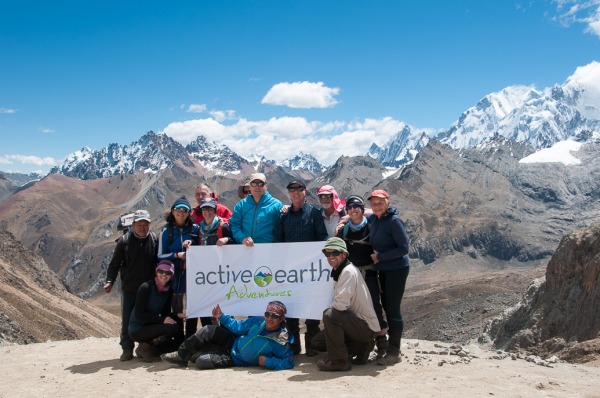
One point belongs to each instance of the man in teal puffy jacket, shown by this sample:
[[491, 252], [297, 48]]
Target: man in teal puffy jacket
[[254, 217], [256, 341]]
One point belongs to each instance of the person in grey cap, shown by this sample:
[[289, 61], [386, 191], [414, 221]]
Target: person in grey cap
[[350, 322], [134, 259], [255, 216], [302, 222]]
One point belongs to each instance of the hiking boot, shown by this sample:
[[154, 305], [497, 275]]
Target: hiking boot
[[173, 357], [127, 354], [389, 359], [382, 344], [335, 365], [311, 352], [361, 359], [147, 352]]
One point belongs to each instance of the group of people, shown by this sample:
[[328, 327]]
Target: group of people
[[367, 250]]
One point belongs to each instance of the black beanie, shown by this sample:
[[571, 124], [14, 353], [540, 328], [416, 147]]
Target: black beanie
[[182, 202]]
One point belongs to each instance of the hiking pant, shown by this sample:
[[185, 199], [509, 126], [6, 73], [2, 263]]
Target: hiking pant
[[170, 336], [346, 334], [293, 327], [393, 283], [127, 305]]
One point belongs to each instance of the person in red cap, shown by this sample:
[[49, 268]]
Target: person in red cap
[[333, 208], [390, 256]]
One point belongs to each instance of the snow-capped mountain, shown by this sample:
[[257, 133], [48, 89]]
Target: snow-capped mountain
[[152, 152], [215, 156], [525, 114], [304, 161], [401, 149]]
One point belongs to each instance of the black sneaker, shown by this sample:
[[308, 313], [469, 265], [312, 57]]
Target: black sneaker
[[127, 355]]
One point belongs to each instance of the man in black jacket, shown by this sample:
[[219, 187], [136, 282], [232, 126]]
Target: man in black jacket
[[134, 259]]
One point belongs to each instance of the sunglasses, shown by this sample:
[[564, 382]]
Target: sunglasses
[[334, 253], [272, 315], [295, 189], [163, 272], [326, 195], [257, 184], [353, 206], [182, 210]]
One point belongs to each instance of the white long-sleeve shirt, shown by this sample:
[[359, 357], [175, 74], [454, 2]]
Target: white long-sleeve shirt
[[350, 293]]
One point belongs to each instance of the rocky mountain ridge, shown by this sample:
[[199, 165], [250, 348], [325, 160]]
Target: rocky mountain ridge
[[558, 313]]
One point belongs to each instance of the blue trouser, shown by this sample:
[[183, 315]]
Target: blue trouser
[[393, 283], [127, 305]]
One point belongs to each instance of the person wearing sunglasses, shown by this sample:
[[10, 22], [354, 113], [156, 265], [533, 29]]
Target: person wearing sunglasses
[[390, 256], [255, 341], [356, 234], [153, 324], [178, 234], [302, 222], [350, 322], [333, 208], [254, 217], [133, 260]]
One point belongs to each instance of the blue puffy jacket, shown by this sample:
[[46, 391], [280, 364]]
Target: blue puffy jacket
[[255, 220], [253, 340], [389, 239], [167, 250]]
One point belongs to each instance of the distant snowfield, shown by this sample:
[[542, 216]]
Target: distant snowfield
[[558, 153]]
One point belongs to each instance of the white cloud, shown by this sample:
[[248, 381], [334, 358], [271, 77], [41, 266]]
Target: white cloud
[[46, 130], [25, 159], [585, 12], [7, 110], [221, 116], [284, 137], [196, 108], [302, 95]]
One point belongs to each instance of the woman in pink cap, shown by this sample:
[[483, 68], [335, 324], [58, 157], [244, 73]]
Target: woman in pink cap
[[390, 256]]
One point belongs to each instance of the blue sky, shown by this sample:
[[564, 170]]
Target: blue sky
[[271, 77]]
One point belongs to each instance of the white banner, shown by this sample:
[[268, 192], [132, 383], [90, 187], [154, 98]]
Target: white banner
[[244, 279]]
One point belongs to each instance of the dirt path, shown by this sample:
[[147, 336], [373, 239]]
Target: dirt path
[[90, 368]]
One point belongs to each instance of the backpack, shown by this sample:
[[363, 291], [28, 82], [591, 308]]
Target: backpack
[[152, 236]]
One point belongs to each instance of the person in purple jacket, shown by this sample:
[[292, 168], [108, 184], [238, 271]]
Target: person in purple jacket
[[390, 256]]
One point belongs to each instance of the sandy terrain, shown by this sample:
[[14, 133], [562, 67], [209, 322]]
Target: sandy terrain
[[90, 368]]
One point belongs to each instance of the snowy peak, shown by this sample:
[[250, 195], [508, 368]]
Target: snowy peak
[[304, 161], [401, 149], [539, 118], [214, 156], [151, 153]]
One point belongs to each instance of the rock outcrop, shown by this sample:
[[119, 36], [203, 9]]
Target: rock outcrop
[[560, 314]]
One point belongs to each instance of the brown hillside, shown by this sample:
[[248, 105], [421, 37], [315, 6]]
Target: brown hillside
[[35, 305]]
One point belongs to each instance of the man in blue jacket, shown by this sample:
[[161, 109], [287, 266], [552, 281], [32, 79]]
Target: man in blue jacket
[[256, 341], [255, 216]]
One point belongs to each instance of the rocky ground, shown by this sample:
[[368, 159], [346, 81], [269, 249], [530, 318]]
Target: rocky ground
[[90, 367]]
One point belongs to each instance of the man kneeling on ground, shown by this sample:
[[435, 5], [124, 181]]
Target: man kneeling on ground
[[350, 322], [256, 341]]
